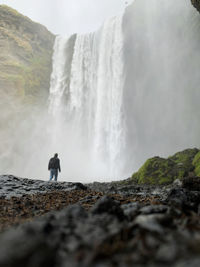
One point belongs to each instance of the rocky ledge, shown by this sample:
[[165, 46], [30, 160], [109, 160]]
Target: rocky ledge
[[196, 4], [11, 186], [118, 226]]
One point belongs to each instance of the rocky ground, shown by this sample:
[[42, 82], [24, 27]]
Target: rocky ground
[[99, 224]]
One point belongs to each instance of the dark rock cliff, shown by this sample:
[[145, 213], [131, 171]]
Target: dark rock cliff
[[196, 4]]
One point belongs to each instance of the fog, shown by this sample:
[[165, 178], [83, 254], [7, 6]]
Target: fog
[[66, 17], [160, 100], [162, 86]]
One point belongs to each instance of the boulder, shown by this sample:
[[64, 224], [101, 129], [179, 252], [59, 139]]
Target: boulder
[[159, 170], [108, 205]]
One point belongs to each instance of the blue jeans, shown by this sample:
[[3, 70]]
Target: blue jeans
[[53, 173]]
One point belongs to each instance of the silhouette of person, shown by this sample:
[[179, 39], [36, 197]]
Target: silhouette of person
[[54, 167]]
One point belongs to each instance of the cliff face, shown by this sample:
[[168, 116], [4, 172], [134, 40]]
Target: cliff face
[[196, 4], [25, 66], [25, 56]]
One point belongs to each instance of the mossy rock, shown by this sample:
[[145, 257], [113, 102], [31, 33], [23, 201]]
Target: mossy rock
[[186, 158], [164, 171], [157, 171], [196, 164]]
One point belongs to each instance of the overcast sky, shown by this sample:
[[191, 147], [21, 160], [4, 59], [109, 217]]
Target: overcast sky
[[69, 16]]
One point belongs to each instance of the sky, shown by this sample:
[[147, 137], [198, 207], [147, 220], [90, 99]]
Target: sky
[[66, 17]]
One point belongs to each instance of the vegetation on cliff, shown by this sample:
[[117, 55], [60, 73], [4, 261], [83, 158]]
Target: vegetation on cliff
[[25, 56], [164, 171], [196, 164], [25, 69]]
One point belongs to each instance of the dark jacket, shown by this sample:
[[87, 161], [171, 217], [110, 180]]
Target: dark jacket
[[54, 163]]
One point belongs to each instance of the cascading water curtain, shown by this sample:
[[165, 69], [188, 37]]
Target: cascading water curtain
[[93, 90]]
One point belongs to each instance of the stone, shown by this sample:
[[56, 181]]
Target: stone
[[80, 186], [137, 228], [131, 210], [177, 197], [26, 249], [152, 209], [163, 171], [150, 223], [192, 183], [108, 205], [167, 253], [13, 186], [178, 183]]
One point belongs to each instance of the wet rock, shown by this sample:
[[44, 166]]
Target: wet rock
[[177, 197], [154, 209], [26, 249], [198, 210], [167, 253], [149, 226], [131, 210], [73, 212], [108, 205], [11, 186], [184, 199], [150, 223], [195, 262], [80, 186], [178, 183], [80, 238], [192, 183]]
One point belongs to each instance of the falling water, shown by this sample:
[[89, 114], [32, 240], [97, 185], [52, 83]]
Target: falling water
[[103, 127], [87, 98]]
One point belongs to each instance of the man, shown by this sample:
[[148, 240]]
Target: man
[[54, 166]]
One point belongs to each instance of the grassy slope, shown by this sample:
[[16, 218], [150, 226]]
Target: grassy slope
[[25, 56]]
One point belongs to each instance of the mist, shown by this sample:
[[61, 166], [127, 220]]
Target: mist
[[160, 101], [66, 17], [162, 85]]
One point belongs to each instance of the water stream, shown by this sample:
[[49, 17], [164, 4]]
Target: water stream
[[87, 98]]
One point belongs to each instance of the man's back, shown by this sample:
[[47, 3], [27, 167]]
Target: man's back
[[54, 166], [54, 163]]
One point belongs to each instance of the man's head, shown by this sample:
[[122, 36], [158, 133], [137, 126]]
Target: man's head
[[56, 155]]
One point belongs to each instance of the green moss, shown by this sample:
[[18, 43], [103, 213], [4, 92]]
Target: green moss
[[30, 81], [25, 58], [20, 42], [16, 82], [185, 157], [165, 180], [155, 171], [164, 171], [37, 74], [10, 10], [196, 164]]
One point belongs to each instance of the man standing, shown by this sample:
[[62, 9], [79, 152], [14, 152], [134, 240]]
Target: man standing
[[54, 166]]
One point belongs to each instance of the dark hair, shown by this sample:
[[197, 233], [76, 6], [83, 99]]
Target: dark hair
[[56, 155]]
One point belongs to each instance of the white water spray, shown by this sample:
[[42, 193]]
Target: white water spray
[[92, 111], [89, 103]]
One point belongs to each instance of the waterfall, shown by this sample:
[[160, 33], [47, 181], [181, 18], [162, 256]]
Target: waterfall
[[86, 98], [107, 112]]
